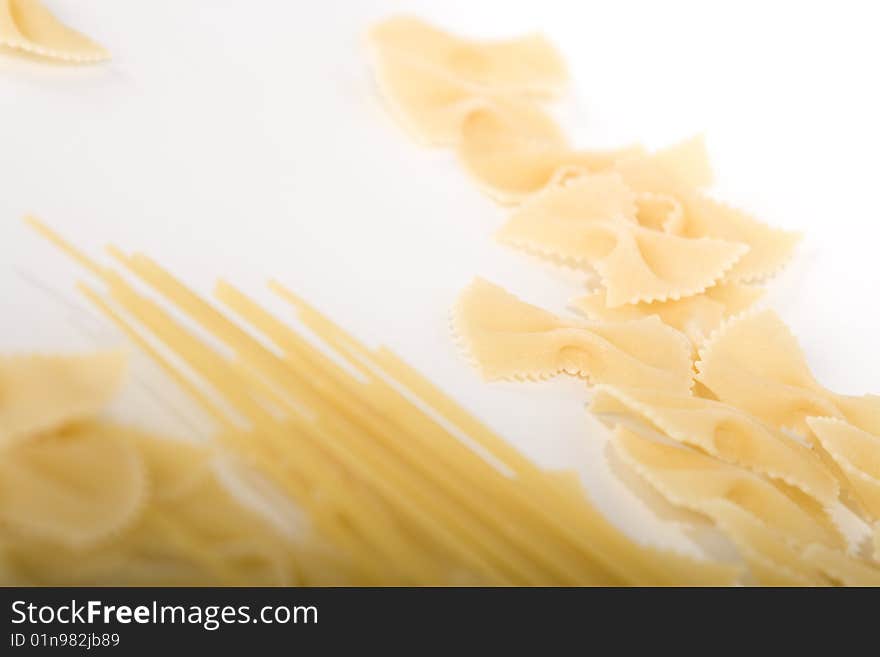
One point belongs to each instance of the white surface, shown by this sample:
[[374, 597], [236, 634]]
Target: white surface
[[245, 139]]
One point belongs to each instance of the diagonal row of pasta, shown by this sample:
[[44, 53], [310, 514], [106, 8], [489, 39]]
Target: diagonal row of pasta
[[592, 221], [683, 244]]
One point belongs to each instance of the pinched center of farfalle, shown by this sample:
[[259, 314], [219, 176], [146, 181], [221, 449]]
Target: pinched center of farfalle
[[509, 338]]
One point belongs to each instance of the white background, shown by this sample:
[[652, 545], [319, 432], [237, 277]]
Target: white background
[[246, 140]]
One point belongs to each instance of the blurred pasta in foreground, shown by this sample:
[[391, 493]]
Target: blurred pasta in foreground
[[332, 463], [399, 484]]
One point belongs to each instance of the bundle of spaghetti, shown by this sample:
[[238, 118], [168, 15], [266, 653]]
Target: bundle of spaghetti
[[726, 421], [393, 474]]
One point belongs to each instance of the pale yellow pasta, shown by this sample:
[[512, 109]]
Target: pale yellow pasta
[[591, 221], [104, 504], [147, 561], [769, 573], [754, 363], [724, 432], [74, 487], [697, 316], [841, 567], [687, 161], [27, 26], [696, 481], [770, 555], [862, 411], [525, 65], [769, 248], [666, 251], [248, 546], [384, 480], [173, 467], [659, 212], [204, 538], [433, 81], [509, 338], [588, 199], [85, 502], [429, 105], [512, 160], [857, 454], [568, 478], [41, 393], [432, 106]]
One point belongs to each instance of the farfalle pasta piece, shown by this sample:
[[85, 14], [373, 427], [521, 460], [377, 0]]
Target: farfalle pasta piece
[[432, 106], [27, 26], [74, 487], [772, 560], [841, 567], [42, 393], [724, 432], [688, 161], [203, 537], [857, 454], [527, 65], [509, 338], [513, 159], [696, 481], [769, 248], [591, 221], [190, 527], [429, 105], [697, 316], [754, 363]]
